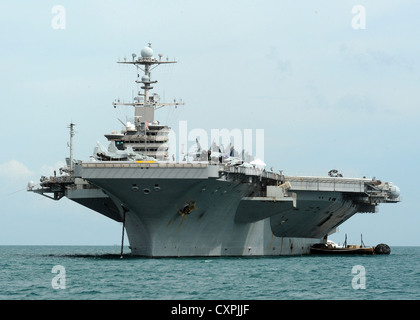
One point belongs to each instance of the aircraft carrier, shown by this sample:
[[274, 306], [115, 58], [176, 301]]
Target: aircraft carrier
[[214, 203]]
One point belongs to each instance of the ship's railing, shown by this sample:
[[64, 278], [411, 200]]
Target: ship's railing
[[251, 171], [326, 184], [56, 180], [149, 144], [82, 186], [149, 139], [143, 164]]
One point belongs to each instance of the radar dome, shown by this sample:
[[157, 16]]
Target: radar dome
[[145, 78], [395, 192], [147, 52]]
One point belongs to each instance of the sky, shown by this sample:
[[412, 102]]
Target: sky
[[332, 84]]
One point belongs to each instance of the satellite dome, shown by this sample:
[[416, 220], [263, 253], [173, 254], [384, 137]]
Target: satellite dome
[[31, 184], [147, 52], [395, 192], [145, 78]]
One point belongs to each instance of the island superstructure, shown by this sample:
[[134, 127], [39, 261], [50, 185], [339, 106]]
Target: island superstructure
[[210, 206]]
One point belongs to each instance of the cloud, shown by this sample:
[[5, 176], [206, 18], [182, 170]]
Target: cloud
[[14, 171], [49, 170], [369, 57], [282, 66]]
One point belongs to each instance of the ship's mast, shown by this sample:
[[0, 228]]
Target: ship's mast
[[145, 104], [71, 127]]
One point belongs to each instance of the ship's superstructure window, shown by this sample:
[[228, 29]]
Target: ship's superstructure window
[[119, 145]]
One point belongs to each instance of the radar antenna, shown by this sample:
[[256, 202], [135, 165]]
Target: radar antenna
[[146, 62]]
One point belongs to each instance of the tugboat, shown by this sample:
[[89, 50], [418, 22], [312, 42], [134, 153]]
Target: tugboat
[[332, 248]]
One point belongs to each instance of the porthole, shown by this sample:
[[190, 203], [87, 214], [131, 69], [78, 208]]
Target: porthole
[[146, 191]]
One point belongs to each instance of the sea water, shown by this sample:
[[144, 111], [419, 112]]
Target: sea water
[[99, 273]]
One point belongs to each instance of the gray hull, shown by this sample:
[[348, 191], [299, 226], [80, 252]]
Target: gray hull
[[196, 211]]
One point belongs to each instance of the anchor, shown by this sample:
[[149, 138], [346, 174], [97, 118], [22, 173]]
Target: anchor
[[188, 207]]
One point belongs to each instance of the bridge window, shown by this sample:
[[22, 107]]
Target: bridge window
[[119, 145]]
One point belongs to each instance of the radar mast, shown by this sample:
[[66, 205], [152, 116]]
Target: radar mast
[[145, 104]]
